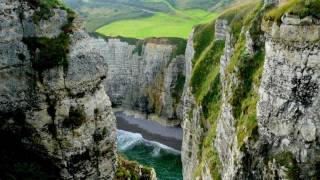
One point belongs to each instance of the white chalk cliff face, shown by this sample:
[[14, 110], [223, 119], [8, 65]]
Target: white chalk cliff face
[[60, 119], [146, 75], [288, 109]]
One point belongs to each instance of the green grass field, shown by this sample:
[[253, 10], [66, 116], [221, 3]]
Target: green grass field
[[178, 24]]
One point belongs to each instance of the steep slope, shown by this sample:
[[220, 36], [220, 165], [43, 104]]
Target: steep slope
[[251, 98]]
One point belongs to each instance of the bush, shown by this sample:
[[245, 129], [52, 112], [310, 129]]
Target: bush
[[48, 52], [45, 8], [76, 118], [45, 52], [287, 160], [131, 170]]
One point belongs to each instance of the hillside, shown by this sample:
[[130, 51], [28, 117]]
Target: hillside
[[178, 16], [179, 24]]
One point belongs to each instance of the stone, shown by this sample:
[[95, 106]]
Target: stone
[[308, 132], [56, 115]]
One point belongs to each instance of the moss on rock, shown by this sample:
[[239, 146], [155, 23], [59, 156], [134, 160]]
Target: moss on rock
[[131, 170], [48, 52], [287, 160], [301, 8]]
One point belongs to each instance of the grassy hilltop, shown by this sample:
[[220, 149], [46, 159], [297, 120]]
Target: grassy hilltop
[[146, 18], [159, 25]]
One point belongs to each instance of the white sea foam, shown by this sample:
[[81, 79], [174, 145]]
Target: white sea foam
[[128, 140]]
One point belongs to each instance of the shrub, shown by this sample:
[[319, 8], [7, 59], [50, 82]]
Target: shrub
[[45, 8], [76, 118], [48, 52], [45, 52], [68, 27], [247, 67], [131, 170], [287, 160]]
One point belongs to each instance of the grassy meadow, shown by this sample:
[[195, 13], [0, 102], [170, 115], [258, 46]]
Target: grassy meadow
[[177, 24]]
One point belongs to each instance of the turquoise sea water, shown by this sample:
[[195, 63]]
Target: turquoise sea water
[[165, 160]]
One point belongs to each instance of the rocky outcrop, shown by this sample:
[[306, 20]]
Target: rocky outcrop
[[132, 170], [145, 75], [56, 121], [291, 30], [289, 99], [267, 122], [192, 131]]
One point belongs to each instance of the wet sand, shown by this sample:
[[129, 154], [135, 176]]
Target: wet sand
[[150, 130]]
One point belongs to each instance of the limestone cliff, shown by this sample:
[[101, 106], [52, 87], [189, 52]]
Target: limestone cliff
[[145, 75], [250, 104], [56, 120]]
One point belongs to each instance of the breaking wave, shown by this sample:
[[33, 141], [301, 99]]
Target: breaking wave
[[128, 140], [165, 160]]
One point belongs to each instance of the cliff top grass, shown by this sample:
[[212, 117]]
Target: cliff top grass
[[301, 8], [238, 15]]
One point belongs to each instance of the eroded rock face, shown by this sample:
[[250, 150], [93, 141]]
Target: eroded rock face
[[59, 122], [192, 130], [289, 100], [293, 29], [145, 77]]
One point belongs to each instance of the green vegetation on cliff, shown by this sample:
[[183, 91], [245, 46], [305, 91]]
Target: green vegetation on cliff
[[301, 8], [287, 160], [46, 52], [206, 87], [44, 8], [131, 170], [248, 70], [245, 67], [206, 69]]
